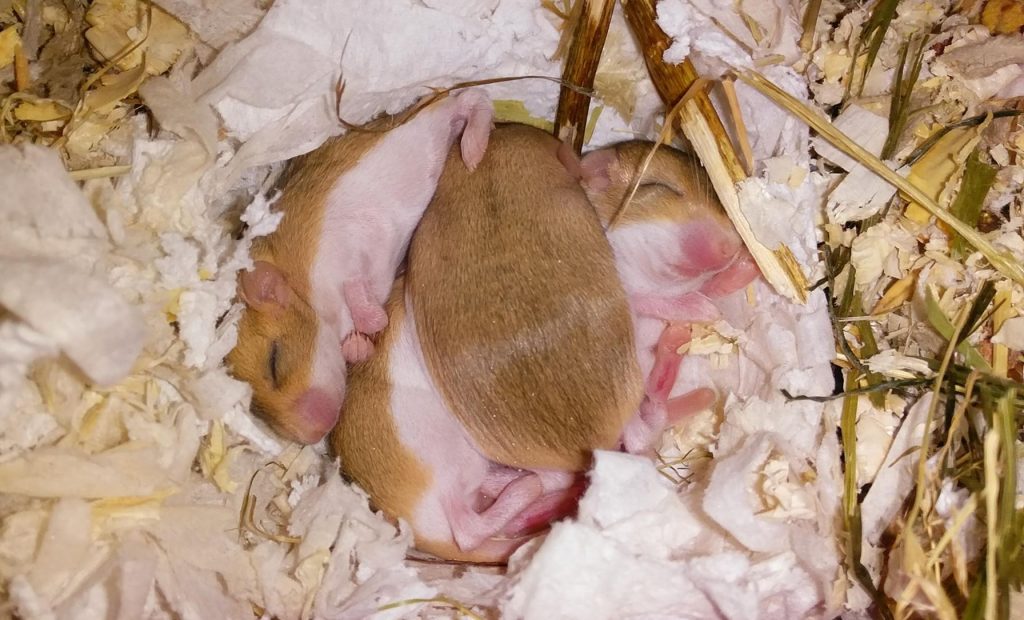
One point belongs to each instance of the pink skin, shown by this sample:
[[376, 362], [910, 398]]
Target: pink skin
[[318, 411], [478, 505], [372, 210], [657, 411]]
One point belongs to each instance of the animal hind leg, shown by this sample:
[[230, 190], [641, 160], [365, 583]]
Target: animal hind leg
[[657, 412], [470, 529]]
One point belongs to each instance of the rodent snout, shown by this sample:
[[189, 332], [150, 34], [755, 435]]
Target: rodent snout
[[708, 247], [317, 411]]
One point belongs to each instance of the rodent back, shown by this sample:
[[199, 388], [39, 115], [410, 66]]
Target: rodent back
[[523, 322]]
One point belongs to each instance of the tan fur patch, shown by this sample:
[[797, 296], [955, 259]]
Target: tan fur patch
[[522, 318], [366, 438]]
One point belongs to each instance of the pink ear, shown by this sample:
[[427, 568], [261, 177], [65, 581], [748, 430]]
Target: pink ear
[[596, 169], [264, 288]]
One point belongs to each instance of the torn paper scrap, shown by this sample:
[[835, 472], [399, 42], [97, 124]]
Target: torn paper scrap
[[91, 323]]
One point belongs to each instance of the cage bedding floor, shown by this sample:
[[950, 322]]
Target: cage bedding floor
[[134, 481]]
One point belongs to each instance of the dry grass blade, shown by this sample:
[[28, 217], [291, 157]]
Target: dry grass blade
[[851, 503], [902, 90], [809, 24], [1004, 263], [872, 35], [972, 121], [437, 600], [1009, 521], [977, 180], [102, 172], [588, 37], [942, 325], [247, 513], [746, 153]]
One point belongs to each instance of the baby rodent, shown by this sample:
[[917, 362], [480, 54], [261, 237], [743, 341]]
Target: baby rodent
[[398, 441], [521, 316], [676, 251], [319, 281]]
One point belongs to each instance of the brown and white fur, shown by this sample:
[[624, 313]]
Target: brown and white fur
[[523, 321], [319, 281], [397, 440]]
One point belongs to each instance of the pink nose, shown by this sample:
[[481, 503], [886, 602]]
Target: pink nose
[[709, 248], [317, 413]]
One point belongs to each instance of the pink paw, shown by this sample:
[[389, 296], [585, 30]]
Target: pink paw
[[666, 361], [356, 347], [657, 412], [368, 316], [740, 273], [478, 111], [688, 404]]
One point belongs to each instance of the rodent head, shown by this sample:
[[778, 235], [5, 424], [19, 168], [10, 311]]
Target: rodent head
[[673, 186], [288, 356], [674, 203]]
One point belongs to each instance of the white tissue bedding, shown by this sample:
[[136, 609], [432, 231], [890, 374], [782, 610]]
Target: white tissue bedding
[[127, 450]]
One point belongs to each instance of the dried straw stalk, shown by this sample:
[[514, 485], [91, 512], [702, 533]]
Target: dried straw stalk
[[590, 22], [700, 123]]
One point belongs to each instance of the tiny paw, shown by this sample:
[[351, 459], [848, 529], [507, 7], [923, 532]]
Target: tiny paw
[[479, 113], [688, 404], [740, 273], [356, 347], [368, 316]]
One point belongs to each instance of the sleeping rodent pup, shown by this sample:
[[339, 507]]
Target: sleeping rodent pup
[[319, 282], [676, 252], [523, 321]]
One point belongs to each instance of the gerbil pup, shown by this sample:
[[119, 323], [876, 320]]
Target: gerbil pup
[[675, 250], [399, 442], [521, 316], [320, 279]]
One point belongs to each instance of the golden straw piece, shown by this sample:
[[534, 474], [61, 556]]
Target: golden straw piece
[[588, 37], [22, 77], [729, 87]]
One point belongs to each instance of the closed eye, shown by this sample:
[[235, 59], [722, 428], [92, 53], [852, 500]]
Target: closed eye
[[652, 189], [273, 363]]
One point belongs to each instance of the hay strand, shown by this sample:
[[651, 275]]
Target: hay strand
[[588, 37]]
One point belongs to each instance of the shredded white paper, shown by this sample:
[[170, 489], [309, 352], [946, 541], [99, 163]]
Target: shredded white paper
[[130, 465]]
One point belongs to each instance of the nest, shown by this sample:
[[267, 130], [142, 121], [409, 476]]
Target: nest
[[135, 482]]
